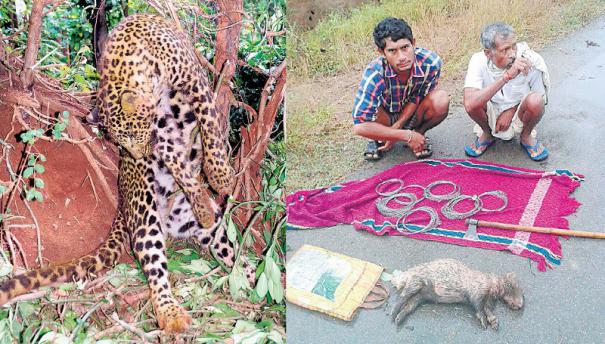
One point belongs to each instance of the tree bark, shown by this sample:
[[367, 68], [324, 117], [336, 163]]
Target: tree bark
[[227, 46], [255, 139], [33, 44], [100, 32]]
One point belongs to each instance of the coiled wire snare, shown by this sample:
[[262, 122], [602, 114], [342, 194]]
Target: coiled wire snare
[[498, 194], [449, 211], [433, 222], [389, 193], [444, 197], [385, 210]]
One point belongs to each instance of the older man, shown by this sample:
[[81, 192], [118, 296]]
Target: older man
[[398, 99], [505, 92]]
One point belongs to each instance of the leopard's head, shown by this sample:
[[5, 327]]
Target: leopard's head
[[131, 127]]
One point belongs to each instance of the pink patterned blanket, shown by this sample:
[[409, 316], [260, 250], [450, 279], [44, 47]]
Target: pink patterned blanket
[[535, 198]]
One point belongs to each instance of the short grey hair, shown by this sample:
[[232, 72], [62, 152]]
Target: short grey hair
[[491, 31]]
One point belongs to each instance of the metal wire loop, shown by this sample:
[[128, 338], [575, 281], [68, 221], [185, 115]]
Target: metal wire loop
[[415, 186], [433, 222], [449, 211], [444, 197], [385, 210], [498, 194], [390, 193]]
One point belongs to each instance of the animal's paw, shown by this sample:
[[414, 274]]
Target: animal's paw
[[222, 181], [481, 318], [399, 318], [493, 322], [205, 218], [203, 210], [173, 319]]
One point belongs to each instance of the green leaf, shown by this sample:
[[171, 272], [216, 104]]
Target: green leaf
[[198, 265], [39, 168], [26, 137], [276, 273], [261, 268], [42, 157], [90, 72], [261, 286], [26, 309], [278, 292], [271, 287], [231, 231], [70, 320], [59, 127], [219, 283], [29, 194], [66, 113], [269, 266], [2, 189], [39, 183], [38, 196], [32, 160]]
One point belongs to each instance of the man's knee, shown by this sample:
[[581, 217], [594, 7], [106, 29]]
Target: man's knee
[[439, 103], [473, 110], [359, 129], [534, 104]]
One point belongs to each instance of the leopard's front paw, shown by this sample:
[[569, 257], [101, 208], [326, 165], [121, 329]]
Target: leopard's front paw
[[222, 180], [205, 218], [173, 319], [203, 208]]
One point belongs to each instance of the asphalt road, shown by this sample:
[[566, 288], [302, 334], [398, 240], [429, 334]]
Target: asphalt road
[[564, 305]]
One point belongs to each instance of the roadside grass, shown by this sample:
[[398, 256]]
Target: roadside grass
[[320, 150], [450, 27], [320, 147]]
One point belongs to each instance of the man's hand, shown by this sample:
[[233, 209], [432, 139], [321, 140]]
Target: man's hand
[[387, 146], [417, 142], [504, 120], [521, 65]]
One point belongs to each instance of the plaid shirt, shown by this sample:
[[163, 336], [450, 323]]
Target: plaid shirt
[[380, 86]]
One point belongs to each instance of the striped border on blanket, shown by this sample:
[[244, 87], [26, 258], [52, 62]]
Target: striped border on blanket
[[547, 254]]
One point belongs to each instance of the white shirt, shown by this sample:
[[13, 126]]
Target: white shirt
[[479, 76]]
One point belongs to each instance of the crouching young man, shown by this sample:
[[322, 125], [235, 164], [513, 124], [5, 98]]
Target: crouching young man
[[398, 99]]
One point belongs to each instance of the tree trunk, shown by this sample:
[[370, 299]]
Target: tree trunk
[[227, 45], [100, 32], [33, 44], [255, 139]]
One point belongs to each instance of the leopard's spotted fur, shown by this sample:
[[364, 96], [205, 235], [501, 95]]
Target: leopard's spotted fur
[[149, 70], [153, 95]]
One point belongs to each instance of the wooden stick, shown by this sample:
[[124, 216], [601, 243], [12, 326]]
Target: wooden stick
[[554, 231]]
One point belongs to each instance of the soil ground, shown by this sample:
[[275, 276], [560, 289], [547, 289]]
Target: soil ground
[[562, 305], [72, 220]]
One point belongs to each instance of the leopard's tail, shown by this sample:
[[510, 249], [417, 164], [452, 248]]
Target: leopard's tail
[[104, 257]]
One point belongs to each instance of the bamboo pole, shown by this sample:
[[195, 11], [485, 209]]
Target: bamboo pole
[[554, 231]]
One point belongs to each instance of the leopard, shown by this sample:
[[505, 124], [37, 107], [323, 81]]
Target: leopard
[[150, 68], [157, 105]]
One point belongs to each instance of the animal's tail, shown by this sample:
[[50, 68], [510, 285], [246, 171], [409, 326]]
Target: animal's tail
[[105, 256]]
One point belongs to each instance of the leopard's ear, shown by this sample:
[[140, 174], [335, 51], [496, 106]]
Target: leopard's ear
[[94, 117], [130, 102]]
